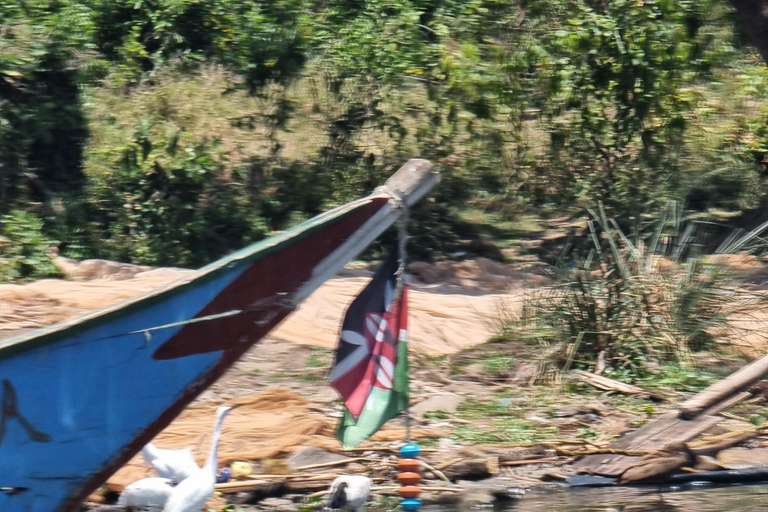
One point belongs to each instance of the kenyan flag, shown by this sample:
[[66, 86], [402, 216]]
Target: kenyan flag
[[371, 367]]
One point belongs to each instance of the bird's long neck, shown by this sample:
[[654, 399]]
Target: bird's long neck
[[149, 450], [211, 464]]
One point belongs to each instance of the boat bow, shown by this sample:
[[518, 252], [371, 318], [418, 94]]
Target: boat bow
[[80, 398]]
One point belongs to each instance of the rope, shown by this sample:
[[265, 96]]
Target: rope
[[402, 242]]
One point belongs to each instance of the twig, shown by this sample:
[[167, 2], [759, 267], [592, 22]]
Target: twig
[[596, 451], [722, 437], [334, 463], [437, 472], [734, 417], [449, 463], [529, 461]]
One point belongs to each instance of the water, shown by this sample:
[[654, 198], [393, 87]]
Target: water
[[688, 498]]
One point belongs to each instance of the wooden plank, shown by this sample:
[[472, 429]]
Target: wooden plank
[[725, 404], [649, 438], [694, 417], [722, 389], [607, 384]]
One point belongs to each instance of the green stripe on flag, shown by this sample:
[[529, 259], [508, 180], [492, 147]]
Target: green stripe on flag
[[382, 405]]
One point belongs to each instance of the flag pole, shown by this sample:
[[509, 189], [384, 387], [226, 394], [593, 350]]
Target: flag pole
[[402, 242], [408, 464]]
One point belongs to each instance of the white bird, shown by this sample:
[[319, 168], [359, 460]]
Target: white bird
[[194, 491], [146, 494], [174, 464], [349, 492]]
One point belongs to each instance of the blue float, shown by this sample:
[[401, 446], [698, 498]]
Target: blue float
[[411, 504], [410, 451]]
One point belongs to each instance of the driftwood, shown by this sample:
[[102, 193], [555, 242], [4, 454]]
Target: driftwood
[[725, 404], [607, 384], [439, 474], [650, 438], [334, 463], [714, 447], [721, 390], [530, 461], [533, 452], [694, 417]]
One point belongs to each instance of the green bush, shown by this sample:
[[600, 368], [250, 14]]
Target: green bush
[[169, 200], [24, 249]]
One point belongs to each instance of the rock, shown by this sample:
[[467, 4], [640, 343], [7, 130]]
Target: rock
[[743, 458], [475, 371], [355, 467], [440, 498], [311, 455], [435, 377], [216, 502], [588, 408], [553, 476], [474, 469], [526, 453], [465, 388], [524, 374], [447, 402], [487, 492], [278, 505]]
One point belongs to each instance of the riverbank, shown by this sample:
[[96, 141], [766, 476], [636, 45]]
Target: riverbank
[[490, 427]]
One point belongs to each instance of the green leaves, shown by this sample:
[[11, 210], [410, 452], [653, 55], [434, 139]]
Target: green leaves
[[24, 249]]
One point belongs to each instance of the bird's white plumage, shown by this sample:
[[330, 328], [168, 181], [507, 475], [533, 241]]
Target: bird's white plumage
[[148, 493], [193, 492], [174, 464], [357, 490]]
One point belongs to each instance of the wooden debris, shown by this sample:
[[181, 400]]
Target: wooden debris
[[722, 389], [658, 465], [530, 461], [693, 418], [493, 465], [249, 486], [607, 384], [520, 453], [716, 443], [334, 463], [439, 474], [652, 437], [725, 404]]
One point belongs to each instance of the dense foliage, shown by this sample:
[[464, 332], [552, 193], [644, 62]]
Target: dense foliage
[[173, 131]]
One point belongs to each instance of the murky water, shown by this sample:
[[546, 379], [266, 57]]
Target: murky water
[[688, 498]]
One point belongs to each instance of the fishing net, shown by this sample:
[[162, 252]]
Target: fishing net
[[267, 425], [443, 321]]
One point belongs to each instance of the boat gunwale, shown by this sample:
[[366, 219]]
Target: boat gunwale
[[66, 328]]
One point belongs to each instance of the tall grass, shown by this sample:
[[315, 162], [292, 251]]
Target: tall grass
[[633, 302]]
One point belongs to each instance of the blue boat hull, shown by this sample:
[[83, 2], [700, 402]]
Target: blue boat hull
[[81, 398]]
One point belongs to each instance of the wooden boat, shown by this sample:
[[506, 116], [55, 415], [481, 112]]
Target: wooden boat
[[81, 397]]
